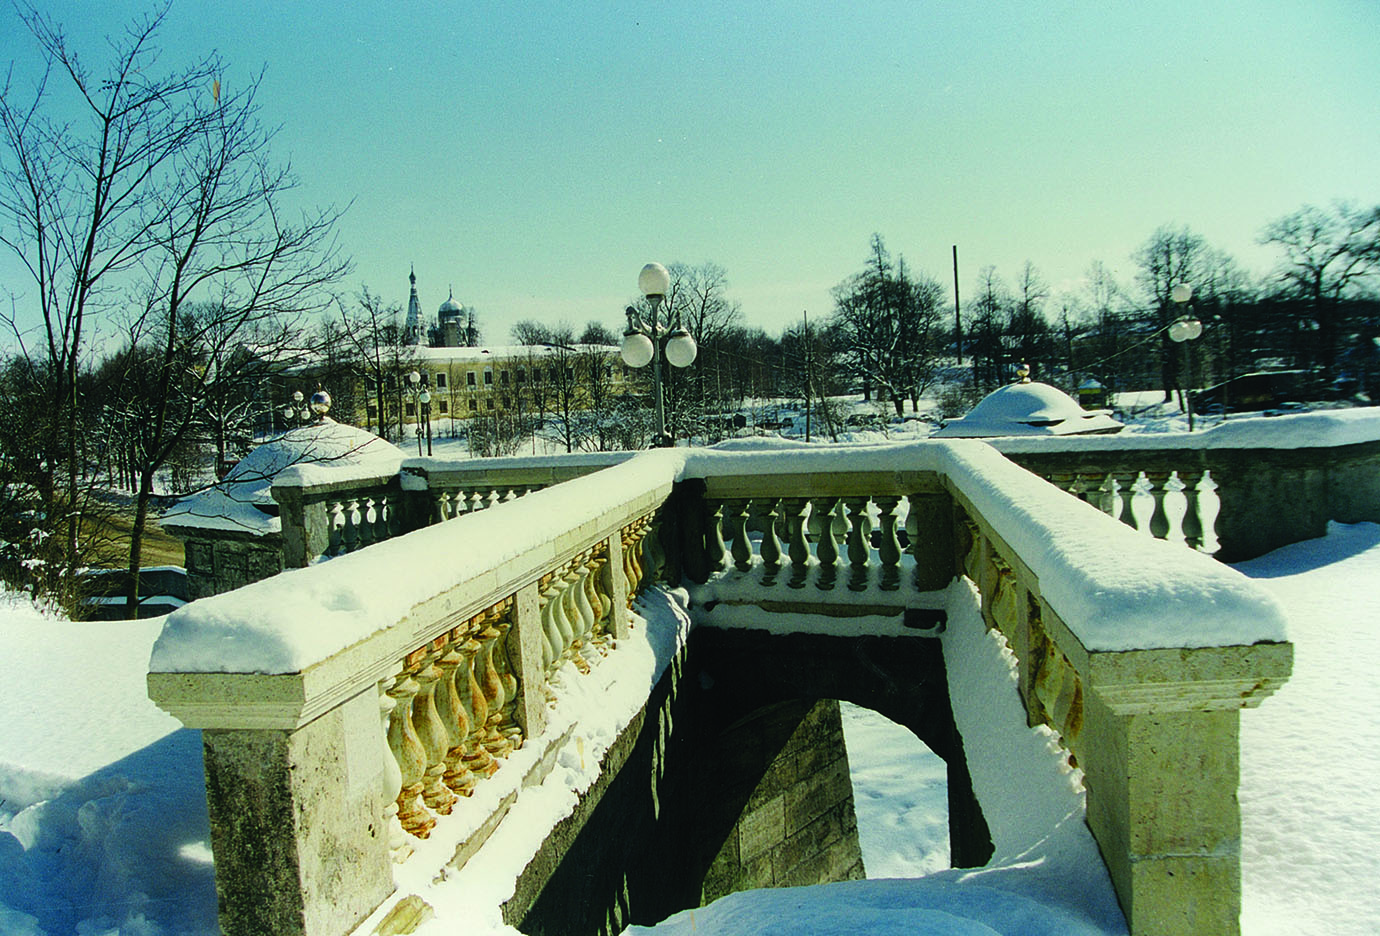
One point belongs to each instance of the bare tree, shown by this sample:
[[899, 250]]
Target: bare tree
[[380, 354], [1329, 255], [80, 197]]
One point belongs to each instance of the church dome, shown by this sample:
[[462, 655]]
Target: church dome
[[1023, 409], [450, 307]]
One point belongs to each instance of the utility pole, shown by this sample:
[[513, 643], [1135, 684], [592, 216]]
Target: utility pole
[[958, 324], [809, 393]]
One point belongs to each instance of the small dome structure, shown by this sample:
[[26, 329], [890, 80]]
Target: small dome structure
[[1026, 409], [450, 307], [243, 501]]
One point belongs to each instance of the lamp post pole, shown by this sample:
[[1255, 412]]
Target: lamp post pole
[[645, 343], [1184, 330], [422, 396]]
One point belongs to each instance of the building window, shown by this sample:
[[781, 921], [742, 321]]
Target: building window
[[392, 381], [440, 381], [469, 379], [410, 409], [503, 402], [474, 405], [488, 378], [443, 408], [372, 410], [522, 375], [370, 384], [489, 403], [503, 378]]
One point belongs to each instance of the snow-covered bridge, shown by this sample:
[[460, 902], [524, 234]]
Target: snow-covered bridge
[[424, 703]]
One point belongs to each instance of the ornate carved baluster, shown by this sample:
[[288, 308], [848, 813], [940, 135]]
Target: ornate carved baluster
[[547, 594], [477, 758], [392, 775], [349, 534], [738, 511], [826, 546], [492, 686], [335, 540], [508, 724], [435, 739], [632, 570], [1209, 504], [457, 721], [798, 548], [571, 620], [889, 548], [393, 520], [970, 547], [411, 758], [594, 649], [653, 556], [364, 529], [765, 513], [441, 506], [1108, 497], [859, 547], [1127, 482], [716, 551], [1175, 507], [1155, 485]]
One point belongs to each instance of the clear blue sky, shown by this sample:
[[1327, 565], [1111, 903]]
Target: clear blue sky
[[535, 155]]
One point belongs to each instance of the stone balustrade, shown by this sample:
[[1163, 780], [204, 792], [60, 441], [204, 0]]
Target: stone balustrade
[[322, 520], [350, 708], [334, 745]]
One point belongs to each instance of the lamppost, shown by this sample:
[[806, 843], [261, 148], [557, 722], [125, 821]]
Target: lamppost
[[303, 411], [1186, 328], [423, 397], [642, 340]]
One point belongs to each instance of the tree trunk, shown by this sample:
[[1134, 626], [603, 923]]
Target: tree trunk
[[136, 542]]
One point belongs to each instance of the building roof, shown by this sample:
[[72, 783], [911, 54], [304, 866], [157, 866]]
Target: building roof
[[1023, 409], [243, 500]]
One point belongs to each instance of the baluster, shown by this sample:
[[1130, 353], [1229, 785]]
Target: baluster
[[1175, 508], [1127, 481], [799, 550], [653, 556], [435, 738], [764, 511], [632, 567], [393, 519], [364, 528], [971, 549], [1142, 504], [335, 510], [453, 715], [392, 775], [859, 537], [1079, 487], [349, 535], [826, 546], [551, 647], [595, 651], [411, 758], [605, 585], [715, 549], [1157, 486], [378, 526], [742, 546], [492, 686], [508, 724], [441, 506], [570, 619], [889, 548], [1108, 498], [1209, 505], [477, 758]]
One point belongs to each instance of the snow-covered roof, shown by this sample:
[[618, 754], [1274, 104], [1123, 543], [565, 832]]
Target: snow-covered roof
[[1027, 409], [243, 500], [461, 355]]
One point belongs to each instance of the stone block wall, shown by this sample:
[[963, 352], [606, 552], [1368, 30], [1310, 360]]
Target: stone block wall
[[798, 826]]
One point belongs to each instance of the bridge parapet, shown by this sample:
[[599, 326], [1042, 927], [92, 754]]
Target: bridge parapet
[[385, 682], [347, 708], [1140, 653]]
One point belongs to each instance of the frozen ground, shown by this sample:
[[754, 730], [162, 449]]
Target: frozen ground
[[103, 828]]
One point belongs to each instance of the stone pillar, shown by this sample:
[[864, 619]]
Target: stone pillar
[[525, 642], [297, 823], [1162, 805]]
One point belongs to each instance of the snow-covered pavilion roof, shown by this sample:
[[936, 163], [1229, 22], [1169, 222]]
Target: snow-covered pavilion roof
[[1024, 409], [243, 500]]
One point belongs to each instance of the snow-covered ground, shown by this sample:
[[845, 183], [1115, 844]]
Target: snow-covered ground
[[103, 827]]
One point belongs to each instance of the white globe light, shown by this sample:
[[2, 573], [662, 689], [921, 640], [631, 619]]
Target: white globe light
[[1178, 331], [320, 402], [1181, 293], [637, 350], [1193, 328], [424, 397], [414, 378], [681, 348], [654, 280]]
